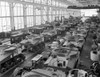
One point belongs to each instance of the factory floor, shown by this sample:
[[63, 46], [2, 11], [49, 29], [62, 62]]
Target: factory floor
[[85, 55], [84, 59]]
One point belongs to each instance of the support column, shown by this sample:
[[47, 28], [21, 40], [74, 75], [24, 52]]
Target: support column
[[12, 16], [52, 14], [34, 15], [51, 11], [24, 16], [42, 15], [48, 11], [98, 13]]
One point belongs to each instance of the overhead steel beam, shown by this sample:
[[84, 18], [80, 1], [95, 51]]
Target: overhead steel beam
[[84, 7], [67, 2], [88, 2], [30, 3], [75, 2]]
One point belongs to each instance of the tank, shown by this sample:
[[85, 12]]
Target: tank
[[9, 59]]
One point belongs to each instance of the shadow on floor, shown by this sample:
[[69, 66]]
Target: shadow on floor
[[85, 55]]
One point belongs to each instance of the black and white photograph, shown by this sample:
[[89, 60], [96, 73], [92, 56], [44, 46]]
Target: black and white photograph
[[49, 38]]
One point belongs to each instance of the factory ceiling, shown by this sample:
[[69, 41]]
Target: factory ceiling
[[84, 2]]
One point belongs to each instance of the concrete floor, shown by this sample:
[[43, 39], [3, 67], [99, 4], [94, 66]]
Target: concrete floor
[[85, 56]]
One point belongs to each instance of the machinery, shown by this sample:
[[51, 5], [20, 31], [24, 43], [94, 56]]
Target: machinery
[[33, 45], [17, 36], [95, 69], [37, 30], [78, 73], [9, 62], [63, 58], [39, 47], [49, 35], [9, 59]]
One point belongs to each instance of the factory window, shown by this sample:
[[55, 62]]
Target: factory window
[[57, 12], [50, 19], [56, 3], [54, 12], [60, 12], [18, 22], [59, 17], [38, 11], [50, 11], [4, 17], [38, 20], [5, 24], [4, 9], [67, 16], [29, 15], [53, 2], [49, 2], [30, 21], [18, 10], [44, 19], [44, 1], [44, 11], [53, 18], [37, 1], [38, 15], [18, 16], [28, 0], [59, 4], [89, 12], [29, 10], [63, 13]]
